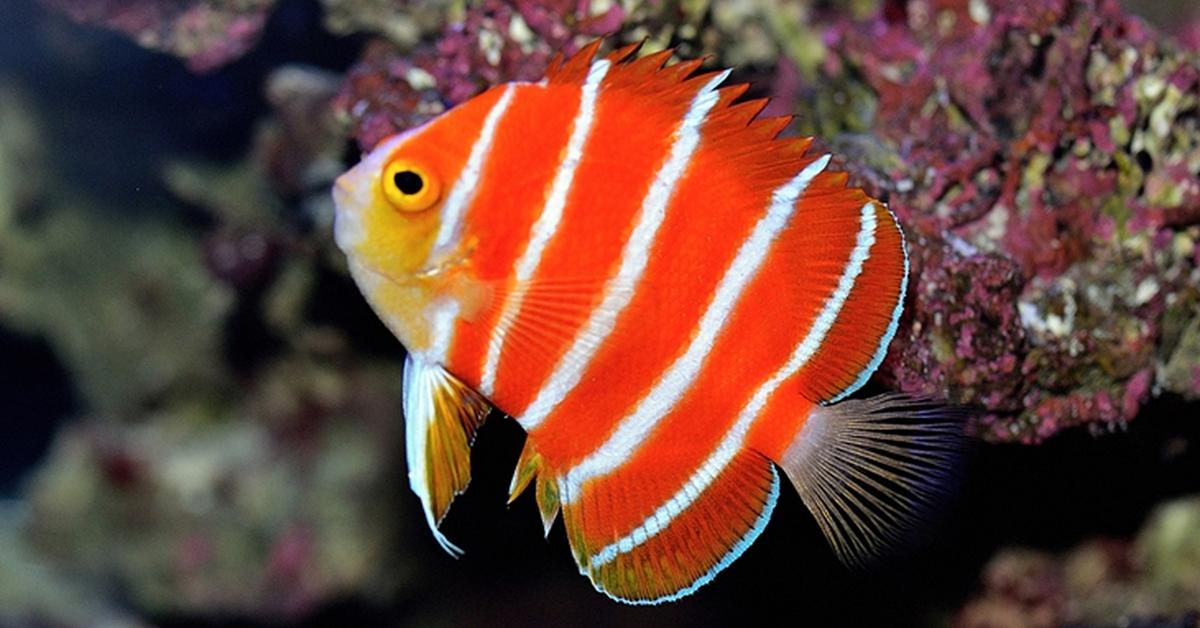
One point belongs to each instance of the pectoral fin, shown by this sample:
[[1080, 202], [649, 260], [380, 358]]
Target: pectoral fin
[[441, 417]]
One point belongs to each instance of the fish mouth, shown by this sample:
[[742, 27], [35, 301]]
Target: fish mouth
[[343, 190], [354, 191], [351, 194]]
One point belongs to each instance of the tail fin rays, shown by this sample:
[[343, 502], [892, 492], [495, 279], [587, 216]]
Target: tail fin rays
[[872, 470]]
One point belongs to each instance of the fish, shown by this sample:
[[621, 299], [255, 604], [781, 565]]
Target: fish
[[672, 300]]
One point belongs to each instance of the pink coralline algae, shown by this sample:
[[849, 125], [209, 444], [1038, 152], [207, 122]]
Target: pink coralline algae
[[495, 42], [206, 33], [1043, 157], [1152, 580]]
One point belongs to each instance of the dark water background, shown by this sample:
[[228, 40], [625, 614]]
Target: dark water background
[[112, 111]]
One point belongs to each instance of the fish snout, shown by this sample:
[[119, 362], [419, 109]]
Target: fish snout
[[343, 192], [348, 203]]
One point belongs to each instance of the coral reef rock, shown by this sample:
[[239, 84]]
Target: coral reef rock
[[1044, 158], [263, 508], [126, 303], [1153, 581], [33, 594], [206, 33]]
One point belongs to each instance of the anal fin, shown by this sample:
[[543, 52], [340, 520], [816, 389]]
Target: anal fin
[[678, 545], [441, 415]]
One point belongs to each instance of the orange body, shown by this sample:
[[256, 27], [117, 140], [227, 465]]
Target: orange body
[[660, 306]]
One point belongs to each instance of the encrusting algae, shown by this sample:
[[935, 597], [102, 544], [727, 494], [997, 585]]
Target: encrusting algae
[[1041, 157]]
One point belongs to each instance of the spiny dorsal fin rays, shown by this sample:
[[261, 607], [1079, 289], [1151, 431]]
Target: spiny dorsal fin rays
[[626, 52], [575, 69], [647, 65], [743, 113], [441, 417], [650, 74], [681, 72]]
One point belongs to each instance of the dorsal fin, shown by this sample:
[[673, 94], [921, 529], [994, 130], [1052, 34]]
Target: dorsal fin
[[648, 74], [574, 69], [731, 123]]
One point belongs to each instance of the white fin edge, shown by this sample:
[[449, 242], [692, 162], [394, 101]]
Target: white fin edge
[[735, 552], [441, 416], [872, 470]]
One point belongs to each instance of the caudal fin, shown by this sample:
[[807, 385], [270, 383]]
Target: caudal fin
[[872, 470]]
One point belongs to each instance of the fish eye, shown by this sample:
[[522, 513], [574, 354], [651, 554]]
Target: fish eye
[[409, 187], [408, 182]]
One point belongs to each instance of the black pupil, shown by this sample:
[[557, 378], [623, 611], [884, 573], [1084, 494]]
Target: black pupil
[[408, 182]]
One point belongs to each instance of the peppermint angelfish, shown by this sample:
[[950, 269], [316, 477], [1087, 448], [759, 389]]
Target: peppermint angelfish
[[670, 300]]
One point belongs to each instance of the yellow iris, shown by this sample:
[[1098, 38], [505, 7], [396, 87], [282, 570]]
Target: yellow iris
[[409, 187]]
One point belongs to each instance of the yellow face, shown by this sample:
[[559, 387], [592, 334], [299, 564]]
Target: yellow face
[[388, 210], [390, 213]]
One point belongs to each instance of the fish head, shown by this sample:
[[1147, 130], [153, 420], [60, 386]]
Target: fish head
[[399, 215], [389, 208], [388, 215]]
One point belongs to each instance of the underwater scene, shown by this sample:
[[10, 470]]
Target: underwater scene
[[281, 279]]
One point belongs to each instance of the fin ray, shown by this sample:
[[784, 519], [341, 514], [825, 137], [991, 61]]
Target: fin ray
[[531, 468], [871, 470], [676, 551], [550, 314], [441, 416]]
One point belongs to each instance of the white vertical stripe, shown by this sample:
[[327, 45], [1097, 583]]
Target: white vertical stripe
[[893, 324], [735, 438], [544, 228], [619, 289], [464, 188], [630, 434], [442, 318], [734, 552]]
